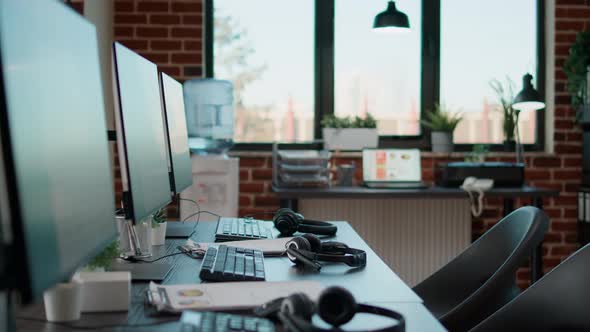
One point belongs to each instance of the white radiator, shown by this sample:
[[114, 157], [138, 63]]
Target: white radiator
[[415, 237]]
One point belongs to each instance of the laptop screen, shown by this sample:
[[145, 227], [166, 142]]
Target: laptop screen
[[391, 165]]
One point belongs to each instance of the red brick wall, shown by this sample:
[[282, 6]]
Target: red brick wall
[[169, 32]]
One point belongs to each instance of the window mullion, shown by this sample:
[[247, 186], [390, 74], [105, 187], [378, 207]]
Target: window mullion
[[430, 91], [324, 62]]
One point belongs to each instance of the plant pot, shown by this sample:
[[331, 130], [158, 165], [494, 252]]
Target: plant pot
[[442, 141], [509, 146], [63, 303], [350, 138], [158, 233], [104, 291]]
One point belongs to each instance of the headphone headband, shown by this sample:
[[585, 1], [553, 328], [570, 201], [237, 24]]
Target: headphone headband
[[335, 306], [289, 222], [308, 250], [317, 227]]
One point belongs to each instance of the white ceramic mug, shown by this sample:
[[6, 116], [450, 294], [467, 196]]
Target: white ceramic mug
[[63, 302]]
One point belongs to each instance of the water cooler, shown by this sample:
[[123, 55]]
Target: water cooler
[[210, 124]]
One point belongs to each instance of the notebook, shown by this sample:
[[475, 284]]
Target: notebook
[[226, 295], [392, 168]]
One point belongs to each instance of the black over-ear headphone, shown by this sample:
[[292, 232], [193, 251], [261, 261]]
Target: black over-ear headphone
[[336, 306], [288, 222], [308, 250]]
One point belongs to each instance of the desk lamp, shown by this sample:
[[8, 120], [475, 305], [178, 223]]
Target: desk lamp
[[527, 99], [391, 20]]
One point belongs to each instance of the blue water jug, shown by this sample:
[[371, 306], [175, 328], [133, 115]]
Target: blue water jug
[[209, 115]]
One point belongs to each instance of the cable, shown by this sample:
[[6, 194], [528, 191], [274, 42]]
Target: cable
[[132, 259], [198, 209], [476, 204], [189, 200], [97, 327], [197, 213]]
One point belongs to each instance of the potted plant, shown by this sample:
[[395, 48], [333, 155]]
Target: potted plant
[[349, 133], [505, 95], [478, 154], [576, 68], [103, 261], [442, 123], [159, 227]]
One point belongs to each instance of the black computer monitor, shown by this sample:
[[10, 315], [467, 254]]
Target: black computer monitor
[[181, 176], [140, 134], [57, 205]]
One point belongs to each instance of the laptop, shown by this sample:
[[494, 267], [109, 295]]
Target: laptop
[[392, 169]]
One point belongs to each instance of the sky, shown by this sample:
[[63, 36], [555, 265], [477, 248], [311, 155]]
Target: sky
[[480, 40]]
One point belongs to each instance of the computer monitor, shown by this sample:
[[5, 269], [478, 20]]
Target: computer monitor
[[57, 205], [180, 166], [140, 134]]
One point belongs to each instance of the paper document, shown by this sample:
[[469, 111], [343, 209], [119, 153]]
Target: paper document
[[226, 295], [270, 247]]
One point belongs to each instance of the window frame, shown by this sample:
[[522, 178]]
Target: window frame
[[429, 85]]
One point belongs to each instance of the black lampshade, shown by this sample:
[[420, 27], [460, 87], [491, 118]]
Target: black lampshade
[[391, 19], [528, 98]]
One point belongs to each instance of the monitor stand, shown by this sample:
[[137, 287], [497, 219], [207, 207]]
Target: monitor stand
[[144, 271], [140, 271], [180, 229]]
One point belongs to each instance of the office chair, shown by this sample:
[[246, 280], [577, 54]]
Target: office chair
[[482, 278], [557, 302]]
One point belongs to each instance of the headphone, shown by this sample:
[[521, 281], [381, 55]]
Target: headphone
[[308, 249], [336, 306], [288, 222]]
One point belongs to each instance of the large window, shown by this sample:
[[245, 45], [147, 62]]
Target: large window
[[293, 62], [269, 58], [377, 73], [477, 49]]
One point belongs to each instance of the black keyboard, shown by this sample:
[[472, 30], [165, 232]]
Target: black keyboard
[[230, 229], [217, 321], [232, 264]]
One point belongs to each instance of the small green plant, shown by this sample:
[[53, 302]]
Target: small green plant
[[442, 119], [332, 121], [505, 95], [106, 257], [159, 217], [478, 154], [576, 67]]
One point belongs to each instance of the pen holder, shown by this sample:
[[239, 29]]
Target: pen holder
[[143, 230], [345, 174], [63, 302]]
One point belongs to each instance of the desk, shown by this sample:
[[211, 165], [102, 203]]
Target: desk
[[289, 198], [376, 284]]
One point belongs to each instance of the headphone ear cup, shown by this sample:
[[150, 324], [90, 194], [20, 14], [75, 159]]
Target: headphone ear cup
[[286, 221], [299, 305], [336, 306], [315, 243], [299, 243]]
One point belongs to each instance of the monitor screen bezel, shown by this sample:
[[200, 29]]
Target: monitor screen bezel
[[173, 179], [127, 195]]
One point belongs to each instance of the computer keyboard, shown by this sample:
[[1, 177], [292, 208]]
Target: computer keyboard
[[230, 229], [232, 264], [217, 321]]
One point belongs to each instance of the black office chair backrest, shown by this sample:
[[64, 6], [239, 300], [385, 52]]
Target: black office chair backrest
[[483, 277], [560, 301]]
